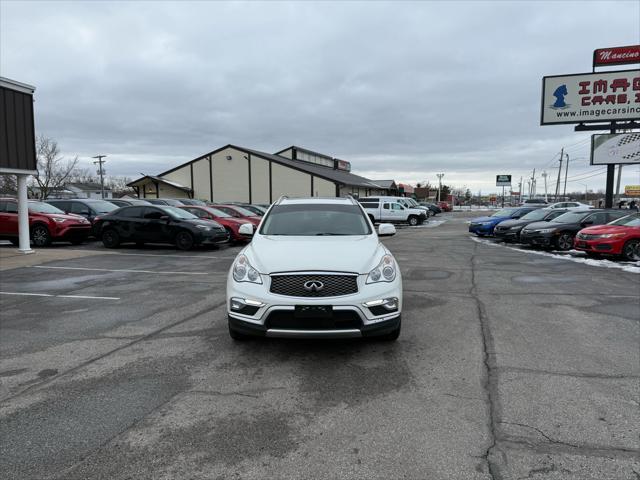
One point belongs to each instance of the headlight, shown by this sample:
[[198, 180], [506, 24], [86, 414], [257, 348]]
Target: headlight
[[486, 223], [609, 235], [384, 272], [515, 229], [203, 227], [58, 219], [547, 230], [244, 272]]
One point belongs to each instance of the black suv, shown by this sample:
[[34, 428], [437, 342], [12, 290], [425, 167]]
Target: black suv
[[560, 232], [158, 224], [86, 207]]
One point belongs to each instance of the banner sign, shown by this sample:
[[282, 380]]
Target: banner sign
[[503, 180], [632, 191], [615, 148], [590, 97], [616, 56]]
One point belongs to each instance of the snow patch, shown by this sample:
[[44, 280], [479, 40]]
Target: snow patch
[[571, 255]]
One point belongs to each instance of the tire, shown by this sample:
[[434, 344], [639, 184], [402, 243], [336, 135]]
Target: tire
[[631, 250], [413, 220], [564, 242], [110, 238], [237, 336], [139, 244], [184, 240], [40, 236], [391, 336]]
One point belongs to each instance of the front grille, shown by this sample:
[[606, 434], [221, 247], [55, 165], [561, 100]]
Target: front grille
[[586, 236], [340, 320], [332, 285]]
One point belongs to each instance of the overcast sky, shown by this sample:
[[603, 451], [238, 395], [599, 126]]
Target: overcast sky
[[402, 90]]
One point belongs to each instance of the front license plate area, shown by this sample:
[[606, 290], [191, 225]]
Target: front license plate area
[[313, 311], [582, 244]]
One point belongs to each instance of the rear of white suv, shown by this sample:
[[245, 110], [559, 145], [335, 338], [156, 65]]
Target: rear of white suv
[[315, 269]]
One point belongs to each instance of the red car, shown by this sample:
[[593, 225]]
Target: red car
[[444, 206], [240, 212], [230, 223], [46, 224], [620, 237]]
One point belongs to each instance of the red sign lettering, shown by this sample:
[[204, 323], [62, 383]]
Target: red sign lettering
[[616, 55]]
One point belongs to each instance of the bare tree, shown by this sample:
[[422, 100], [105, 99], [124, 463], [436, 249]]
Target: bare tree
[[8, 184], [53, 170]]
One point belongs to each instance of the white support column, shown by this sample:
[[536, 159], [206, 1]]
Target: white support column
[[23, 215]]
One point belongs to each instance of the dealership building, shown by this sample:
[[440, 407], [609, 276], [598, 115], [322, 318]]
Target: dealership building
[[237, 174]]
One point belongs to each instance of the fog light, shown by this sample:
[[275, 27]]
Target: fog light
[[382, 306], [236, 304]]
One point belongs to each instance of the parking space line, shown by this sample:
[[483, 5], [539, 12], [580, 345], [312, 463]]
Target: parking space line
[[28, 294], [167, 255], [121, 271]]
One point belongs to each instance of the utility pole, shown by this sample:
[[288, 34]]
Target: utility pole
[[566, 172], [559, 170], [100, 162], [520, 191], [439, 175], [544, 175], [532, 193], [618, 184]]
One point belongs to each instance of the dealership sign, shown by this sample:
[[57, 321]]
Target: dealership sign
[[615, 148], [632, 191], [503, 180], [616, 56], [591, 97]]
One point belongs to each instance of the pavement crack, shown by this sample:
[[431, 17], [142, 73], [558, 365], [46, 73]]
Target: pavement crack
[[490, 380], [551, 440], [599, 376]]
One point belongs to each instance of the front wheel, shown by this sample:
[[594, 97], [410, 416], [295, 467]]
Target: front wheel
[[184, 240], [413, 220], [564, 242], [110, 238], [631, 250], [40, 236]]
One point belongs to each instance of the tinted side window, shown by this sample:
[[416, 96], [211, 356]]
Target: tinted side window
[[554, 215], [615, 215], [3, 206], [153, 213], [397, 206], [12, 207], [64, 206], [370, 204], [131, 212], [197, 212], [386, 206], [599, 218], [80, 208]]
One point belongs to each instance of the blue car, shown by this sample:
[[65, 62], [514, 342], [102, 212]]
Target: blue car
[[482, 226]]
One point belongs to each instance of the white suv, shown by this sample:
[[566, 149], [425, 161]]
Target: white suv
[[315, 268]]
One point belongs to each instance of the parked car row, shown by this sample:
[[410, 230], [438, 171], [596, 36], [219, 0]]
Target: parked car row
[[594, 231]]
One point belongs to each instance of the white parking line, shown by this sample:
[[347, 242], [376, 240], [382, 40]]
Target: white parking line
[[121, 271], [167, 255], [26, 294]]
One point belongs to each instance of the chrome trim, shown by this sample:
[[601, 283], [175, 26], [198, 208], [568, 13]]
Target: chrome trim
[[281, 333], [314, 272]]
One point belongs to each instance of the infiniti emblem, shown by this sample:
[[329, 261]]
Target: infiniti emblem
[[313, 286]]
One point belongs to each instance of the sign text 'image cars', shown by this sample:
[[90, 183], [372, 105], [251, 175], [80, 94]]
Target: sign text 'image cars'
[[591, 97], [503, 180], [616, 55], [615, 148]]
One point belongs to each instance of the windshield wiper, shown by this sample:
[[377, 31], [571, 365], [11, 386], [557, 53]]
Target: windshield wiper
[[331, 234]]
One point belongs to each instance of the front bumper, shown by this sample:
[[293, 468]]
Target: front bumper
[[537, 239], [480, 229], [607, 246], [274, 315], [507, 235], [78, 231], [212, 236]]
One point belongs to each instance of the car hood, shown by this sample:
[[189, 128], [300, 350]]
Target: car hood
[[206, 223], [66, 216], [487, 219], [514, 223], [555, 225], [597, 229], [271, 253]]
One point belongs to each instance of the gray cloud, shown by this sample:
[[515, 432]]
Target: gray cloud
[[402, 90]]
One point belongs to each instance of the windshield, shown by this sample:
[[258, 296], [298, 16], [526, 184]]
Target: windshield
[[632, 220], [412, 202], [102, 207], [536, 215], [505, 212], [571, 217], [177, 212], [218, 213], [243, 211], [315, 219], [41, 207]]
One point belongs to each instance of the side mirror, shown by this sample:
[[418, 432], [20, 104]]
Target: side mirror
[[386, 230], [246, 229], [164, 217], [587, 222]]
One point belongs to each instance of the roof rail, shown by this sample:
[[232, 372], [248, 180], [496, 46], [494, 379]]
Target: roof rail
[[353, 200], [282, 197]]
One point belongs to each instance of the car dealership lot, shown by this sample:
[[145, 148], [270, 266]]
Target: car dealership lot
[[117, 364]]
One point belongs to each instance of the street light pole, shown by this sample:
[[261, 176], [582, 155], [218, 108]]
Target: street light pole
[[101, 172], [544, 175], [439, 175]]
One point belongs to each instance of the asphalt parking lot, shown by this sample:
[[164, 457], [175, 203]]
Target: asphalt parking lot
[[511, 365]]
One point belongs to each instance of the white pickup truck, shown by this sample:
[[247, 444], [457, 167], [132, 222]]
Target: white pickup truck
[[392, 210]]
